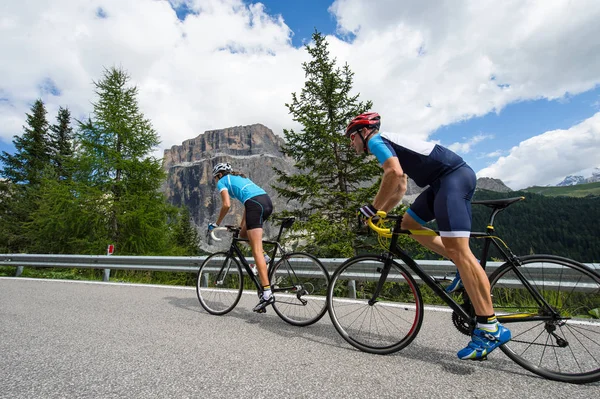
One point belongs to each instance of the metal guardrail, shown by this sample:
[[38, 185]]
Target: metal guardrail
[[435, 268]]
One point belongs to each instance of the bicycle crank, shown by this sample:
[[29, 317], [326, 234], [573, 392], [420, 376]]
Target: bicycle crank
[[462, 325]]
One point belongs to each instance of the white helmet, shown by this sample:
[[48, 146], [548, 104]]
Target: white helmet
[[221, 167]]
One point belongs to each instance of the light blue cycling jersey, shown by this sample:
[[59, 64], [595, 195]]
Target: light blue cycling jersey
[[239, 187], [424, 162]]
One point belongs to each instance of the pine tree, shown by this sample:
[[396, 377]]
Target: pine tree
[[62, 144], [332, 181], [185, 234], [22, 175], [32, 150], [115, 144]]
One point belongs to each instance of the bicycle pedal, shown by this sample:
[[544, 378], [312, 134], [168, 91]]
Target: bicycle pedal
[[263, 310]]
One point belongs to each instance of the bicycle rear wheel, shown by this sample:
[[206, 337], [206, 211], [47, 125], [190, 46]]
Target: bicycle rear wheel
[[561, 341], [384, 326], [219, 283], [299, 282]]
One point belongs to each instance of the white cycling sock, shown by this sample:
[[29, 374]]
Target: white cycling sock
[[267, 294]]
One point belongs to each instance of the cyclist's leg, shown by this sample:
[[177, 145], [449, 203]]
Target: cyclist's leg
[[257, 210], [434, 243], [474, 278], [452, 207], [420, 212], [255, 238]]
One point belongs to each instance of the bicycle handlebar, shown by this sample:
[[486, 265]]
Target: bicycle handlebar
[[382, 232], [212, 233]]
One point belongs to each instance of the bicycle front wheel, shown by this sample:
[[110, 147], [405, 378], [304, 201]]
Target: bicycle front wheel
[[299, 282], [380, 325], [219, 283], [555, 334]]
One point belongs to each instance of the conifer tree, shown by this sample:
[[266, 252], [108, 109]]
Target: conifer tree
[[62, 144], [32, 150], [21, 176], [332, 181], [185, 234], [114, 157]]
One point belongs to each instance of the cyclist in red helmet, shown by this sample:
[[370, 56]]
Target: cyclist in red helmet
[[447, 200]]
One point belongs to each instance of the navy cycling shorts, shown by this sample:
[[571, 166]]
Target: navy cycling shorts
[[258, 210], [448, 200]]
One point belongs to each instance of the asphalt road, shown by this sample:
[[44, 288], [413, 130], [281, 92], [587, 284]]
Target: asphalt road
[[62, 339]]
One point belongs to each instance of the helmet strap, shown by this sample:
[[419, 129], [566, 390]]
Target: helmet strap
[[364, 140]]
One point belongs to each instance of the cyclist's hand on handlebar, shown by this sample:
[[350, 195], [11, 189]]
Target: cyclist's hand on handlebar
[[367, 211], [212, 226]]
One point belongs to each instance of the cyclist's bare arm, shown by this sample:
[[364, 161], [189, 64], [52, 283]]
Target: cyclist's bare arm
[[393, 185]]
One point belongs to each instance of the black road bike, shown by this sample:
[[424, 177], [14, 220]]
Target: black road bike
[[298, 280], [551, 304]]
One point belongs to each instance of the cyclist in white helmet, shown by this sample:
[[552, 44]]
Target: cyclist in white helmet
[[257, 208]]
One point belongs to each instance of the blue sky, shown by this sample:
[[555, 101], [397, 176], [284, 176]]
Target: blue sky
[[514, 88]]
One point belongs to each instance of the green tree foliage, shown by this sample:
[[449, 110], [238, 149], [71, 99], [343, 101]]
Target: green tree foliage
[[114, 163], [70, 219], [332, 181], [185, 234], [61, 135], [22, 175], [66, 193], [33, 150]]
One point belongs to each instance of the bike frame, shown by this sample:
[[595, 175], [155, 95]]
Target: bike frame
[[235, 251], [508, 256]]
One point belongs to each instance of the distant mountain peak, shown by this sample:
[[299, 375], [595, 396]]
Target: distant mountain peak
[[491, 184], [571, 180]]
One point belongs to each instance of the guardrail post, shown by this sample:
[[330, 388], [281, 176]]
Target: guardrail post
[[352, 289], [106, 275], [204, 281], [19, 271]]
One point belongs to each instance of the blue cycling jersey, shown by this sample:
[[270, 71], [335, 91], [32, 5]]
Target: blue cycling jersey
[[424, 162], [240, 188]]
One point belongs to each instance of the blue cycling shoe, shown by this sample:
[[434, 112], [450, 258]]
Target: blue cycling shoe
[[456, 284], [483, 342]]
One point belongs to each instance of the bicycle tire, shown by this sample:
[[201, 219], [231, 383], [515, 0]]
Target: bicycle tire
[[563, 348], [219, 293], [388, 325], [305, 302]]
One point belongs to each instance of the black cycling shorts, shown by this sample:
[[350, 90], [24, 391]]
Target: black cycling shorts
[[258, 210], [448, 200]]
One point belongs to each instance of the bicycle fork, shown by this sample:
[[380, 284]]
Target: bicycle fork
[[384, 273], [223, 272]]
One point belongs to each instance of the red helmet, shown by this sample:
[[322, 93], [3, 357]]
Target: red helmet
[[368, 119]]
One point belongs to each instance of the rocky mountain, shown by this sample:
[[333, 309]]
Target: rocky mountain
[[490, 184]]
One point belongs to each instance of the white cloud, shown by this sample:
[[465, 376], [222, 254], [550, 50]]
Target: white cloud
[[466, 146], [424, 64], [227, 65], [549, 157], [467, 58], [493, 154]]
